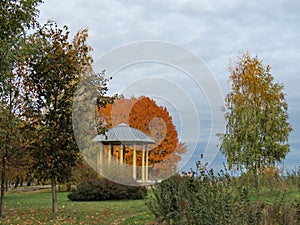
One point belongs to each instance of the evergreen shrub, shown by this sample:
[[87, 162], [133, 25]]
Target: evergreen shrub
[[104, 189]]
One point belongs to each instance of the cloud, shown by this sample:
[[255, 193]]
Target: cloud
[[215, 30]]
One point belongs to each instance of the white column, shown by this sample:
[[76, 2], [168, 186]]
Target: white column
[[110, 152], [121, 154], [101, 158], [143, 164], [147, 164], [98, 162], [134, 162]]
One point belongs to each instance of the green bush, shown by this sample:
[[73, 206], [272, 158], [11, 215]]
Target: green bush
[[207, 198], [104, 189], [201, 199]]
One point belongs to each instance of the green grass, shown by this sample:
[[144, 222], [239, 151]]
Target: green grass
[[292, 195], [35, 208]]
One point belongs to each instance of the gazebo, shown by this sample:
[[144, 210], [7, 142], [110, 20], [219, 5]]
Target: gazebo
[[123, 135]]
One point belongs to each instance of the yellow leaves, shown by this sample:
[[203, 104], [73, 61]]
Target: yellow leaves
[[254, 109], [252, 83]]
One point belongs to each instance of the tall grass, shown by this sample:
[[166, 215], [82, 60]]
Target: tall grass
[[209, 198]]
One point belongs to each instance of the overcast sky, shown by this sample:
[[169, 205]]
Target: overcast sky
[[217, 31]]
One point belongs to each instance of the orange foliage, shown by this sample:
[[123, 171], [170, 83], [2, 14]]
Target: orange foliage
[[144, 114], [270, 171]]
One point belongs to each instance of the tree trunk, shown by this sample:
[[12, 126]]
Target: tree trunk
[[6, 185], [54, 196], [17, 182], [68, 187], [3, 174]]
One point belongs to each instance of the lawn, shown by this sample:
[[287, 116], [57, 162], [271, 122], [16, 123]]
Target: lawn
[[35, 208]]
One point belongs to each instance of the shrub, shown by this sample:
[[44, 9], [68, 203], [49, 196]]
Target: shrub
[[201, 199], [104, 189], [206, 198]]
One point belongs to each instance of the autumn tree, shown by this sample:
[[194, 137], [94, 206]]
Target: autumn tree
[[144, 114], [16, 17], [19, 161], [255, 111], [51, 73]]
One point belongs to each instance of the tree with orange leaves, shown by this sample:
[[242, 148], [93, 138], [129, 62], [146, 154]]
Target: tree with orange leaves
[[145, 115]]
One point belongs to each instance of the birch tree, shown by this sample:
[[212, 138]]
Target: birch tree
[[256, 114]]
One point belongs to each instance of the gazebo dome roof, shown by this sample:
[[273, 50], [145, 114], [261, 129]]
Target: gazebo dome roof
[[124, 134]]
